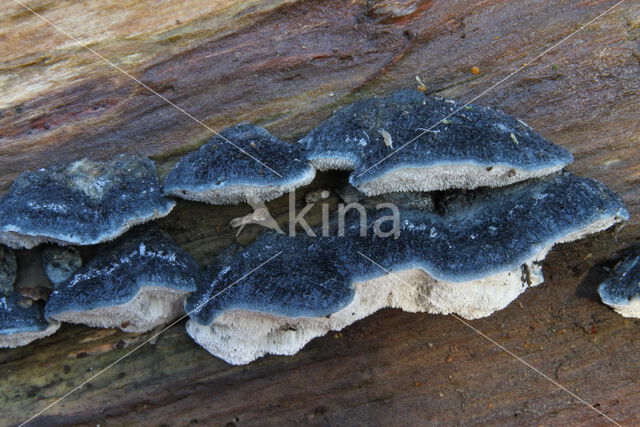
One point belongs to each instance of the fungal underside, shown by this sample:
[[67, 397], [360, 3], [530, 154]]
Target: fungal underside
[[18, 339], [152, 306]]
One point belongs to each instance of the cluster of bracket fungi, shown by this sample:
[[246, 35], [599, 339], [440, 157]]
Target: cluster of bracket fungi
[[481, 200]]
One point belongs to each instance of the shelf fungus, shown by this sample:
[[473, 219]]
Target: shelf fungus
[[408, 141], [245, 163], [471, 253], [621, 290], [21, 319], [81, 203], [137, 284]]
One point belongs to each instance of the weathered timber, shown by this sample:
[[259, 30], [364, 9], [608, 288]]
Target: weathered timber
[[286, 65]]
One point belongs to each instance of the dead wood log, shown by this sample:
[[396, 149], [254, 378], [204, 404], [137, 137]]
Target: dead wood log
[[286, 65]]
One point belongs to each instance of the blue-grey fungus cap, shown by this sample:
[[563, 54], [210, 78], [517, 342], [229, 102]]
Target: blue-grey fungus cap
[[138, 283], [408, 141], [463, 251], [475, 235], [222, 173], [22, 321], [81, 203], [621, 290]]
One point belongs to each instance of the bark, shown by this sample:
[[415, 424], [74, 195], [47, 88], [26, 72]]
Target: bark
[[286, 65]]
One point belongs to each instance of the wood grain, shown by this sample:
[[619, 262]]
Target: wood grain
[[286, 65]]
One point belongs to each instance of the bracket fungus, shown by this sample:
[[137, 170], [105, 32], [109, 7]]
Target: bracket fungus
[[471, 251], [21, 319], [82, 203], [395, 143], [471, 256], [222, 173], [621, 290], [136, 285]]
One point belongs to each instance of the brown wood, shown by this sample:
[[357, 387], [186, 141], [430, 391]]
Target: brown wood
[[286, 65]]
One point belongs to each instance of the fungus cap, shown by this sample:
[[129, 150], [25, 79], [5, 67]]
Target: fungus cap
[[222, 173], [136, 285], [471, 255], [621, 290], [82, 203], [22, 323], [408, 141]]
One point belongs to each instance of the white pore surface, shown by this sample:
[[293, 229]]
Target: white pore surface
[[17, 240], [244, 193], [594, 227], [240, 336], [434, 178], [628, 310], [152, 306], [24, 338], [332, 163]]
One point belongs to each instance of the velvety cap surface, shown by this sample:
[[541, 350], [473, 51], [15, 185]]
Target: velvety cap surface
[[140, 258], [83, 202]]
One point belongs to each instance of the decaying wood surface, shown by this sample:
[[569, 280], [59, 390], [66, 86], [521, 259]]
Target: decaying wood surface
[[286, 65]]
